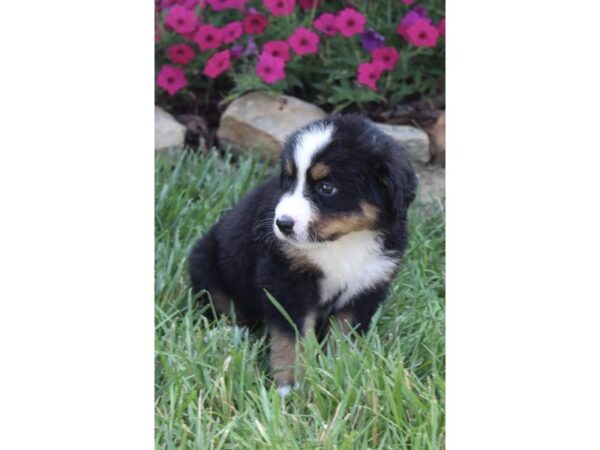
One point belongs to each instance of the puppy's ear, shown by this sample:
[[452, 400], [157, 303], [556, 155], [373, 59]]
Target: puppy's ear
[[397, 174]]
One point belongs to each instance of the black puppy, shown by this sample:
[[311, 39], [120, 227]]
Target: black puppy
[[324, 239]]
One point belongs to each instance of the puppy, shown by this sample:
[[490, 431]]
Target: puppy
[[325, 238]]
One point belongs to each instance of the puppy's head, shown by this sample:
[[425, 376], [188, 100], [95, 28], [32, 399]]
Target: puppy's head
[[341, 175]]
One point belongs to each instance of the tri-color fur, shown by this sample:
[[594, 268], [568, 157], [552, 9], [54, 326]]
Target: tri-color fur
[[324, 238]]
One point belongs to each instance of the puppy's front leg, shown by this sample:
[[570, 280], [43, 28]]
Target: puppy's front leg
[[283, 351]]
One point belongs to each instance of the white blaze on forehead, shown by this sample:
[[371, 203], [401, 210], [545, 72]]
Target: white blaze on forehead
[[296, 205]]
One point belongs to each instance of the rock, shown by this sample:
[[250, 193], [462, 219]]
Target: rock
[[437, 135], [262, 122], [414, 140], [432, 185], [168, 133]]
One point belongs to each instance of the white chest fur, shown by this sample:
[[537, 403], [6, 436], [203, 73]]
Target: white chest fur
[[352, 264]]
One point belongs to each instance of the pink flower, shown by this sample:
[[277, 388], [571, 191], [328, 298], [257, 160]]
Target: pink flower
[[255, 23], [189, 4], [277, 49], [310, 4], [171, 79], [325, 23], [369, 73], [422, 34], [232, 31], [408, 2], [221, 5], [270, 69], [304, 41], [442, 27], [180, 53], [217, 64], [409, 20], [208, 36], [387, 56], [182, 20], [280, 7], [350, 22]]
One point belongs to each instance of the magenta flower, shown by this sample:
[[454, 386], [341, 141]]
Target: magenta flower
[[208, 37], [217, 64], [277, 49], [221, 5], [310, 4], [232, 31], [325, 23], [371, 39], [255, 23], [280, 7], [304, 42], [410, 19], [182, 20], [180, 53], [189, 4], [171, 79], [442, 27], [369, 74], [350, 22], [270, 69], [422, 34], [386, 56]]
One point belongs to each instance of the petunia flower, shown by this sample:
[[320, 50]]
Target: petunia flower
[[277, 49], [180, 53], [270, 69], [304, 42], [371, 39], [386, 56], [171, 79], [350, 22], [280, 7], [236, 51], [221, 5], [410, 19], [208, 37], [232, 31], [369, 74], [255, 23], [422, 34], [217, 64], [325, 23], [442, 27], [310, 4], [182, 20]]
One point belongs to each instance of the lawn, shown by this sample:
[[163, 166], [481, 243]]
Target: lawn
[[383, 390]]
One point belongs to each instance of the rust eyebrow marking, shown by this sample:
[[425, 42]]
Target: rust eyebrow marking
[[319, 170], [339, 225]]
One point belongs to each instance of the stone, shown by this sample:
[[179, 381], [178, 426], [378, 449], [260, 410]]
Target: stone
[[432, 185], [261, 122], [415, 141], [168, 133]]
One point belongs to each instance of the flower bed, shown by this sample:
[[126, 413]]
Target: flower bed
[[337, 54]]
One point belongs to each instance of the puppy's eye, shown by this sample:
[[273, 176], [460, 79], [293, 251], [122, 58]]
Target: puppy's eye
[[326, 189]]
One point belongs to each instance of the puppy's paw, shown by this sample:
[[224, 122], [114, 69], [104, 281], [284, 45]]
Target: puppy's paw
[[284, 390]]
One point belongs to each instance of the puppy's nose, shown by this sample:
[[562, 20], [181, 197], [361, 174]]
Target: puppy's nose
[[285, 224]]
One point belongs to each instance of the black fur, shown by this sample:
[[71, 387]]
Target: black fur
[[240, 256]]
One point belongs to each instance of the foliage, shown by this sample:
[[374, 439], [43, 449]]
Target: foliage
[[213, 391], [325, 54]]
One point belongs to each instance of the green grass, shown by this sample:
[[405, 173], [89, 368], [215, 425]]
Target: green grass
[[383, 390]]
